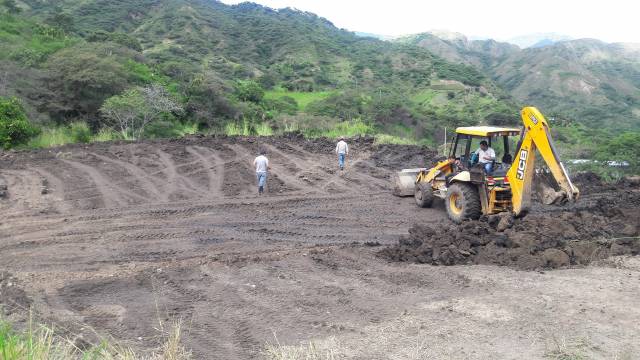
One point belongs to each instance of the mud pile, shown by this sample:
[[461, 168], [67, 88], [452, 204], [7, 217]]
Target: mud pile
[[403, 156], [553, 238]]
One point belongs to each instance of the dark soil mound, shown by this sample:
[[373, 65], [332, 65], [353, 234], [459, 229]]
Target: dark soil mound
[[589, 182], [551, 239], [397, 157]]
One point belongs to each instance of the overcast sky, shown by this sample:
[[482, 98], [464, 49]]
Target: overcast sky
[[610, 20]]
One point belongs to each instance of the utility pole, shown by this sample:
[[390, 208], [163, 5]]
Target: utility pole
[[444, 151]]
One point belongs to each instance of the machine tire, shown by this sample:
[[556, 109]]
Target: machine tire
[[463, 202], [423, 195]]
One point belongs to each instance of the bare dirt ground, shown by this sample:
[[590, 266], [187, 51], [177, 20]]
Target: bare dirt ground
[[119, 237]]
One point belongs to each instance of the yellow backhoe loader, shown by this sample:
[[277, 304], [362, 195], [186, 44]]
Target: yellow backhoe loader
[[469, 191]]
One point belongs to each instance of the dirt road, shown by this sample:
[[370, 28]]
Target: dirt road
[[120, 236]]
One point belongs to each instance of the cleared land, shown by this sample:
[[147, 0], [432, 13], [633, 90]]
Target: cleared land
[[119, 236]]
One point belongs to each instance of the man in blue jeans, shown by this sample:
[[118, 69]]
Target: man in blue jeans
[[486, 156], [262, 167], [342, 149]]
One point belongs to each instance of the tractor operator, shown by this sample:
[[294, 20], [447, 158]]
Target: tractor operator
[[486, 156]]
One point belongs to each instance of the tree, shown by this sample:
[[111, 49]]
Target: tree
[[11, 6], [62, 20], [502, 118], [206, 100], [248, 90], [116, 37], [84, 76], [15, 128], [624, 147], [130, 112]]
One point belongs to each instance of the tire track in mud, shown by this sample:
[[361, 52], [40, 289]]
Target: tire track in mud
[[148, 185], [177, 224], [177, 184], [111, 193], [214, 169]]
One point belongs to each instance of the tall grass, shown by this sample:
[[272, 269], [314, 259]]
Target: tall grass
[[390, 139], [74, 133], [247, 129], [37, 344], [351, 128], [323, 350], [79, 132], [40, 342]]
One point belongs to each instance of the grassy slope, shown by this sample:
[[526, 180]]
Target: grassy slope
[[185, 39], [587, 81], [28, 41], [302, 98]]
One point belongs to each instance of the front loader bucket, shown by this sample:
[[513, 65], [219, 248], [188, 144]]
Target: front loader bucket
[[404, 181]]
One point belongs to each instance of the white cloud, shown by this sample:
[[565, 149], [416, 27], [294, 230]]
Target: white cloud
[[612, 20]]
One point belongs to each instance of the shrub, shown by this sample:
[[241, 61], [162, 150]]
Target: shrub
[[285, 104], [80, 132], [624, 147], [15, 128], [248, 90], [135, 109]]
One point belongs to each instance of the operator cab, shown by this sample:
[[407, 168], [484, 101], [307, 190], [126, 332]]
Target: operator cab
[[501, 140]]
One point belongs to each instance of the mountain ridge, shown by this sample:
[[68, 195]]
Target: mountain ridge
[[586, 80]]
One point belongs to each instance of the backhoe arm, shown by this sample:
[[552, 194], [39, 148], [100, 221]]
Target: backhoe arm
[[536, 135]]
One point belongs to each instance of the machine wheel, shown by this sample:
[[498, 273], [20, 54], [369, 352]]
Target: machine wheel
[[423, 195], [463, 202]]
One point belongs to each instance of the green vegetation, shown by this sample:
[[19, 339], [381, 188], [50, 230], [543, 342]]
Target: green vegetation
[[138, 108], [29, 43], [302, 99], [40, 342], [351, 128], [246, 69], [77, 132], [229, 69], [248, 129], [15, 128], [624, 147], [390, 139], [583, 81]]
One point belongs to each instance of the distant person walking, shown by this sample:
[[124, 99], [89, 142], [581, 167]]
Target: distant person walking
[[262, 167], [342, 149]]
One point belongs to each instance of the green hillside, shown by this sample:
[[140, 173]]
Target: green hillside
[[244, 65], [580, 81]]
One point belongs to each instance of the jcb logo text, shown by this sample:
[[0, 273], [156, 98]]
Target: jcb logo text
[[522, 164]]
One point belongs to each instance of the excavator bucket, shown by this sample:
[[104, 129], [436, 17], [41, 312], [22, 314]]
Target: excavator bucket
[[545, 188], [404, 181]]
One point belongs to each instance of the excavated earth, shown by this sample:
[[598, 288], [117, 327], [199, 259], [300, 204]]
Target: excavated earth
[[545, 238], [118, 240]]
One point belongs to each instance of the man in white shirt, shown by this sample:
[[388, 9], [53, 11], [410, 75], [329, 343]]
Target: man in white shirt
[[342, 149], [486, 156], [262, 167]]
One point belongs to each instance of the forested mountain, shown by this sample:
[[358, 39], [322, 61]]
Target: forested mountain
[[203, 65], [586, 81], [242, 63]]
